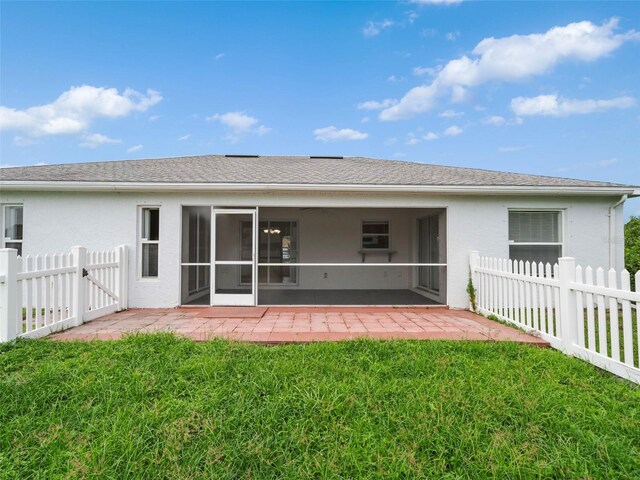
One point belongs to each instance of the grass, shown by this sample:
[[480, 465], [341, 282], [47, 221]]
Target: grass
[[608, 336], [596, 346], [33, 313], [155, 406]]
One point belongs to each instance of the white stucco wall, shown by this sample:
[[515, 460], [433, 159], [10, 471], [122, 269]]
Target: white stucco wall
[[54, 222]]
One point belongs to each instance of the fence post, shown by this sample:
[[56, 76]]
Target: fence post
[[79, 284], [123, 277], [474, 262], [568, 315], [8, 294]]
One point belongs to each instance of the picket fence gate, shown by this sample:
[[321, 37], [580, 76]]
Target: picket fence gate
[[43, 294], [562, 304]]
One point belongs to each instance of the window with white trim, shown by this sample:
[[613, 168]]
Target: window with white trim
[[535, 236], [375, 235], [149, 241], [12, 227]]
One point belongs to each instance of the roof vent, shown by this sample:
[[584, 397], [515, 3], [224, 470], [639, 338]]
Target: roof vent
[[242, 156], [325, 156]]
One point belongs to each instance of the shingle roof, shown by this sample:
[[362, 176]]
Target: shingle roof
[[213, 169]]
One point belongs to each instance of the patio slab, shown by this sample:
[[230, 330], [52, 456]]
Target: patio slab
[[301, 324]]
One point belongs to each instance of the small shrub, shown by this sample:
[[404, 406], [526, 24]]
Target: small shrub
[[471, 290]]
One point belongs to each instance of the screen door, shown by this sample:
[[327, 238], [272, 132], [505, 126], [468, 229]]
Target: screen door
[[233, 268]]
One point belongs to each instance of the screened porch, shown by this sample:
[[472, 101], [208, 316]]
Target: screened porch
[[313, 256]]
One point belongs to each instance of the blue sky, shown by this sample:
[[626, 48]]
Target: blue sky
[[549, 88]]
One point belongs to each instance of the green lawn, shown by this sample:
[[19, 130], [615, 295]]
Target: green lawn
[[159, 407]]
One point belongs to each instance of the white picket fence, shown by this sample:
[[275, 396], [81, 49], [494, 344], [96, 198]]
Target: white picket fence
[[563, 305], [44, 294]]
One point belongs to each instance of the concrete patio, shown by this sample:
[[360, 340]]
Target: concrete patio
[[274, 325]]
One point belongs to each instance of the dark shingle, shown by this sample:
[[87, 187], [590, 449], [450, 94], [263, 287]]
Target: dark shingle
[[212, 169]]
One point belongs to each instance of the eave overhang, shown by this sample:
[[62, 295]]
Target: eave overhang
[[66, 186]]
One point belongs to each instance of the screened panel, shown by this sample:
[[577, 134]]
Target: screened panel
[[534, 227], [196, 235], [345, 285], [234, 236], [195, 284], [227, 279], [277, 243]]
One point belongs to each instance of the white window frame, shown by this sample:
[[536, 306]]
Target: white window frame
[[144, 241], [561, 229], [6, 240], [362, 235]]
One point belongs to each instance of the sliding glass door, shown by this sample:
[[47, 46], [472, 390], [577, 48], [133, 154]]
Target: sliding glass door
[[277, 244], [429, 252]]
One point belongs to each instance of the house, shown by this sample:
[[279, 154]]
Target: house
[[294, 230]]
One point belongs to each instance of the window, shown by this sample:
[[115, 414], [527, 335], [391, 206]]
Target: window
[[149, 241], [535, 236], [375, 235], [12, 227]]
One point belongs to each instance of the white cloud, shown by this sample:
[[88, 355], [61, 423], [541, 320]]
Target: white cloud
[[584, 83], [74, 110], [93, 140], [517, 148], [39, 164], [135, 148], [511, 59], [459, 94], [421, 71], [450, 114], [375, 105], [333, 134], [499, 121], [391, 141], [185, 137], [428, 32], [495, 120], [365, 119], [412, 139], [552, 105], [394, 79], [452, 36], [598, 164], [412, 16], [417, 100], [436, 2], [371, 29], [239, 124], [219, 56], [19, 141], [453, 131], [153, 118], [430, 136]]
